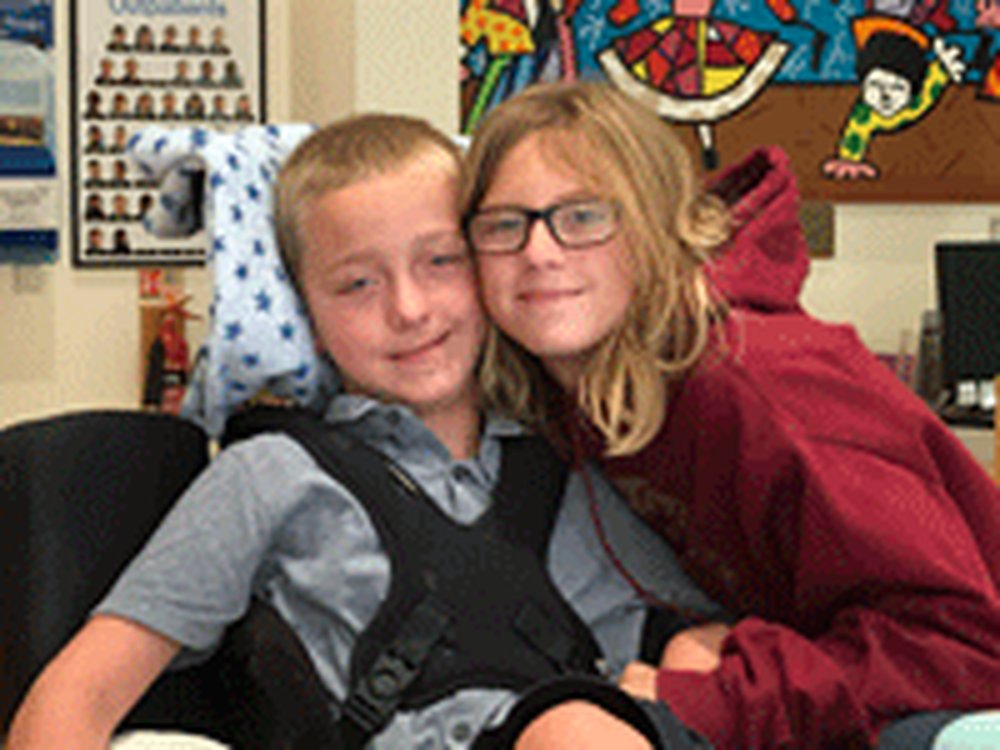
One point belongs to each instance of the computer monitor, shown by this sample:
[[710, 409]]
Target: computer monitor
[[968, 287]]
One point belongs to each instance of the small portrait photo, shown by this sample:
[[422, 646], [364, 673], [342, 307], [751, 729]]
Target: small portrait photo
[[220, 108], [93, 108], [170, 41], [182, 74], [217, 44], [119, 208], [144, 41], [94, 174], [120, 244], [119, 39], [105, 72], [144, 109], [94, 143], [206, 74], [119, 174], [119, 140], [194, 107], [145, 204], [120, 106], [194, 44], [130, 72], [94, 209], [95, 240], [244, 111], [231, 77], [168, 106]]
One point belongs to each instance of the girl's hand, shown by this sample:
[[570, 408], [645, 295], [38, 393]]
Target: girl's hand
[[697, 649], [639, 680]]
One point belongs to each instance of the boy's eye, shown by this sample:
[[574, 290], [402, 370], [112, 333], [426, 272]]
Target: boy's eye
[[448, 258], [354, 285], [444, 251]]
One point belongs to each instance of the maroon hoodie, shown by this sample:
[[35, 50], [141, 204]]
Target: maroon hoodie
[[805, 488]]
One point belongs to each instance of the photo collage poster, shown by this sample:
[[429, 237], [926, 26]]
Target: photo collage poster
[[29, 189], [139, 63]]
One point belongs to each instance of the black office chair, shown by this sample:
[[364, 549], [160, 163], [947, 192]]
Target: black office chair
[[79, 495]]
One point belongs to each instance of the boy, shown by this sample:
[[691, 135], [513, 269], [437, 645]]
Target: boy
[[367, 221]]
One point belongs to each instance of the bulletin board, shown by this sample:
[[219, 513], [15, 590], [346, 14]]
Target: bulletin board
[[29, 186], [136, 63], [874, 100]]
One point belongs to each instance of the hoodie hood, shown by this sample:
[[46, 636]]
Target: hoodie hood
[[765, 263]]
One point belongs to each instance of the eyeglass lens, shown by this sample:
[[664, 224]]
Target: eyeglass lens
[[574, 224]]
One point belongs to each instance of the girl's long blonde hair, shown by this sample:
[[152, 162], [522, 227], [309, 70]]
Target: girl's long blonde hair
[[622, 151]]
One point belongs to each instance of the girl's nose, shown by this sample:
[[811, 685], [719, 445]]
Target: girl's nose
[[542, 248]]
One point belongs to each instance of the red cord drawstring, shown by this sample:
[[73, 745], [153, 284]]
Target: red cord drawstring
[[648, 597]]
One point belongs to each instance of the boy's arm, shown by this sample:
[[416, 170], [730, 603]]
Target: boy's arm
[[89, 687]]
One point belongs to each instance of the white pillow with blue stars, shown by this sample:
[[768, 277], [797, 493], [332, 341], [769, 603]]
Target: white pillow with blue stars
[[259, 336]]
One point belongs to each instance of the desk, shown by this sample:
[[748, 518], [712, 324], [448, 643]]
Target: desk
[[979, 440]]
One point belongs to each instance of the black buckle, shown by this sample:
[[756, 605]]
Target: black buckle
[[378, 693]]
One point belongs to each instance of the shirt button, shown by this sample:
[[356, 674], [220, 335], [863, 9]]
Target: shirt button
[[461, 732]]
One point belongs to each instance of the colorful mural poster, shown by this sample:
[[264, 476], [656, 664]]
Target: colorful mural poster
[[29, 191], [137, 63], [873, 99]]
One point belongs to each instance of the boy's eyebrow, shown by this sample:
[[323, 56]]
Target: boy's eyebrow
[[365, 255], [370, 253]]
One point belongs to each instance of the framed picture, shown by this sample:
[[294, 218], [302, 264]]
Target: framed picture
[[133, 64]]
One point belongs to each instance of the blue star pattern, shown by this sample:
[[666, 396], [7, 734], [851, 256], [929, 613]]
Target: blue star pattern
[[259, 333]]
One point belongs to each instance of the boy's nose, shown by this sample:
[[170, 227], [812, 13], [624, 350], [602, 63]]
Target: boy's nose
[[408, 303]]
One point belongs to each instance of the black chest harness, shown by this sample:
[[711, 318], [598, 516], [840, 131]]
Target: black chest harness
[[467, 606]]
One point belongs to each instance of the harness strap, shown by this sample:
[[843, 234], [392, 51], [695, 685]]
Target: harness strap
[[438, 567], [377, 694]]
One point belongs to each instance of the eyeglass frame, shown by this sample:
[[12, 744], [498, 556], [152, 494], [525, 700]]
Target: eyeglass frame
[[533, 215]]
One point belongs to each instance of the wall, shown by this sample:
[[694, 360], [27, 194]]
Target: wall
[[69, 339], [881, 277]]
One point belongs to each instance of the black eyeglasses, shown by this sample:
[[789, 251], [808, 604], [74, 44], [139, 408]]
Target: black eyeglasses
[[575, 225]]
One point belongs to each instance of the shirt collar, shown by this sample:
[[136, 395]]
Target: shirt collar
[[378, 419]]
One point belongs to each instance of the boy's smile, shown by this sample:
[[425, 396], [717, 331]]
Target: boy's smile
[[390, 285]]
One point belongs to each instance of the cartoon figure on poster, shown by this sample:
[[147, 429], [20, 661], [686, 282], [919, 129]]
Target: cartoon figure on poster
[[898, 88], [702, 62]]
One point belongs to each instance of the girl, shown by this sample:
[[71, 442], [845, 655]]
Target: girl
[[658, 330]]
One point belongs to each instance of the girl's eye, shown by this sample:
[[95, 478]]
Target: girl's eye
[[584, 215]]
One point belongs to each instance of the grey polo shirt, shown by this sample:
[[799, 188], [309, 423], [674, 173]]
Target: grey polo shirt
[[265, 520]]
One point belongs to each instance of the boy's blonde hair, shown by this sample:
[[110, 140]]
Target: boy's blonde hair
[[343, 154], [622, 151]]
